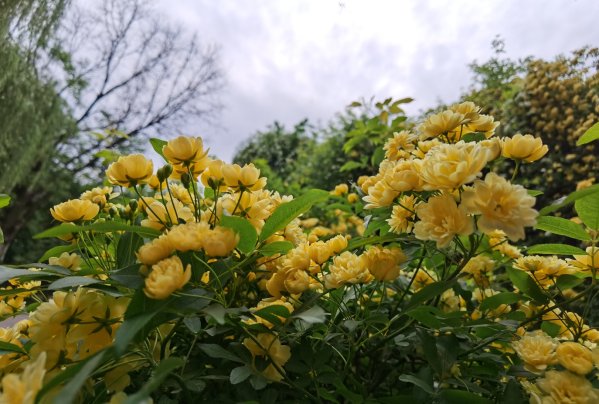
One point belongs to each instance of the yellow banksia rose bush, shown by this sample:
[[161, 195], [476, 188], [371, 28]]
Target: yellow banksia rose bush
[[196, 281]]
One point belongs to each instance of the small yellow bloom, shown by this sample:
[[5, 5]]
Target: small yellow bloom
[[99, 195], [337, 243], [161, 215], [537, 351], [320, 252], [353, 198], [188, 237], [296, 281], [447, 123], [346, 268], [383, 263], [166, 277], [75, 210], [184, 150], [379, 195], [441, 220], [575, 357], [400, 145], [402, 216], [523, 147], [340, 190], [156, 250], [587, 263], [566, 387], [269, 346], [130, 170], [247, 176], [219, 242], [66, 260]]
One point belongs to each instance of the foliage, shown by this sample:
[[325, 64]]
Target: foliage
[[192, 282]]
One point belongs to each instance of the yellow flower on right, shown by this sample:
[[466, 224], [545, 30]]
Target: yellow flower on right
[[523, 147]]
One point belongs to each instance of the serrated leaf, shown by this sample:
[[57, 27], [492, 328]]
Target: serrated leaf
[[591, 134], [247, 233], [276, 247], [555, 249], [240, 374], [588, 210], [563, 227], [72, 281], [288, 211], [527, 285], [492, 302]]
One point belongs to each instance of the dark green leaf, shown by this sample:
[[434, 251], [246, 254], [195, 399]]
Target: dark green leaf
[[247, 232], [426, 315], [161, 372], [492, 302], [126, 248], [288, 211], [218, 352], [273, 313], [533, 192], [72, 281], [574, 196], [7, 273], [591, 134], [527, 285], [101, 227], [8, 347], [194, 324], [276, 247], [474, 137], [588, 210], [128, 277], [217, 312], [240, 374], [551, 329], [563, 227], [430, 291], [417, 382], [565, 282], [558, 249]]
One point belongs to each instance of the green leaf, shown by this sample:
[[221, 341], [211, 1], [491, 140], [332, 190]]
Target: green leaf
[[559, 249], [6, 347], [533, 192], [126, 248], [240, 374], [430, 291], [7, 273], [351, 165], [451, 396], [247, 232], [78, 375], [314, 315], [492, 302], [218, 352], [276, 247], [101, 227], [377, 156], [551, 329], [164, 369], [217, 312], [129, 276], [588, 210], [563, 227], [72, 281], [569, 199], [56, 251], [358, 242], [591, 134], [426, 315], [194, 324], [157, 145], [273, 313], [565, 282], [288, 211], [474, 137], [4, 200], [527, 285], [417, 382]]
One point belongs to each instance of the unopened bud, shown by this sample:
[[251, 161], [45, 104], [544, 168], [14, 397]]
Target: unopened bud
[[164, 172], [185, 180]]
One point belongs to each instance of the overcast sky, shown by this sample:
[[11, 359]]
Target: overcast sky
[[287, 60]]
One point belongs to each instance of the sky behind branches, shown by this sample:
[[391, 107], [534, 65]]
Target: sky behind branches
[[289, 60]]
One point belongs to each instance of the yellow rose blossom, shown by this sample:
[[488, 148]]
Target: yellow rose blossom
[[247, 177], [403, 176], [441, 220], [66, 260], [449, 166], [337, 243], [524, 148], [219, 242], [23, 388], [584, 184], [383, 263], [422, 278], [400, 145], [161, 215], [567, 388], [130, 170], [156, 250], [213, 177], [167, 276], [187, 237], [442, 123], [179, 192], [346, 268], [99, 195], [353, 198], [184, 150], [380, 195], [309, 223], [254, 206], [575, 357], [294, 233], [340, 190], [155, 183], [470, 110], [537, 351], [424, 147], [269, 346], [501, 205], [296, 281], [320, 252], [75, 210], [484, 123], [402, 216], [480, 268]]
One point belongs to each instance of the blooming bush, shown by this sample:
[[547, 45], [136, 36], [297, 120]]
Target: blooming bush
[[194, 282]]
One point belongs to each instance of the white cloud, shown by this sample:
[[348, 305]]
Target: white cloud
[[288, 60]]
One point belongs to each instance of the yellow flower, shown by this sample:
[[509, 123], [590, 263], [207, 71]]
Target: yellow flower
[[75, 210], [184, 150], [353, 198], [269, 346], [400, 145], [567, 388], [219, 242], [402, 216], [575, 357], [484, 123], [441, 220], [383, 263], [99, 195], [502, 206], [337, 243], [422, 278], [346, 268], [480, 268], [340, 190], [296, 281], [537, 351], [213, 177], [160, 215], [449, 166], [12, 336], [156, 250], [320, 252], [443, 123], [66, 260], [247, 177], [523, 147], [402, 176], [130, 170], [22, 389], [587, 263], [187, 237], [380, 195], [166, 277]]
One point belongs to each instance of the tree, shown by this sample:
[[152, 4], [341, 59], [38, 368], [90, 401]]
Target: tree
[[118, 72]]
